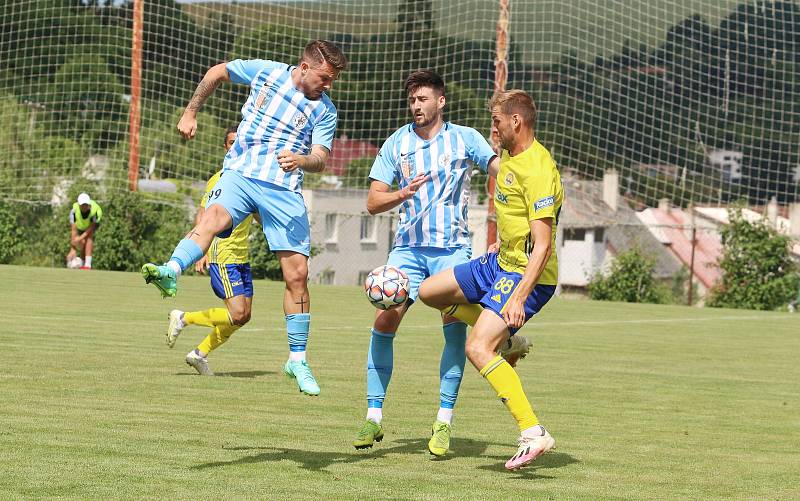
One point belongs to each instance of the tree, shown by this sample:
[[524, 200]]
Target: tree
[[757, 270], [631, 279]]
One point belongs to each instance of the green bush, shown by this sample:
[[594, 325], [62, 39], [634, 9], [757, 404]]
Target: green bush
[[136, 230], [757, 270], [12, 236], [631, 279]]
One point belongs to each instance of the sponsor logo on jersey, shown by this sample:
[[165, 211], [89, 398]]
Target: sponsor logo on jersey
[[544, 202], [499, 196]]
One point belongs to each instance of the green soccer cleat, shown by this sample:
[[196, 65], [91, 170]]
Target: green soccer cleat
[[163, 277], [370, 433], [440, 439], [301, 372]]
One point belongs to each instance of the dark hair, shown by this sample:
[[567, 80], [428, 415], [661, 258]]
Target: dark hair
[[516, 102], [230, 130], [323, 51], [424, 78]]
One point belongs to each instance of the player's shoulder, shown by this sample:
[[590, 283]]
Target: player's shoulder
[[327, 103], [462, 130], [398, 135]]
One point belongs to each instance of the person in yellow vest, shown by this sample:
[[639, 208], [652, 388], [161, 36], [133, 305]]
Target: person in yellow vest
[[227, 262], [84, 219]]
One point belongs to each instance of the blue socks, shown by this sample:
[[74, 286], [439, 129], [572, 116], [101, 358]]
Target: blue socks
[[451, 367], [297, 325], [186, 253], [380, 362]]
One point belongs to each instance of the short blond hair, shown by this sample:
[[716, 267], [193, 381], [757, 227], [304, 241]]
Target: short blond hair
[[323, 51], [517, 102]]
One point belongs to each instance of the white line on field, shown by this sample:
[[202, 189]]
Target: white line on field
[[532, 323]]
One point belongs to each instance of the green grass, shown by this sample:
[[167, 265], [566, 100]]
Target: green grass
[[644, 401]]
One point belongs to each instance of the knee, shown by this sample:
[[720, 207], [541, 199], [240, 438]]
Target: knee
[[424, 293], [386, 322], [240, 317], [296, 279], [475, 348], [215, 219]]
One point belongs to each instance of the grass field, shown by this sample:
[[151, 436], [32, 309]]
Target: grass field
[[644, 401]]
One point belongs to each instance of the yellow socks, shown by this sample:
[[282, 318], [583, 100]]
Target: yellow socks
[[210, 318], [506, 383], [467, 313], [218, 336]]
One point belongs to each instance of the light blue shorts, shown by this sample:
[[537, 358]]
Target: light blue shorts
[[420, 263], [283, 213]]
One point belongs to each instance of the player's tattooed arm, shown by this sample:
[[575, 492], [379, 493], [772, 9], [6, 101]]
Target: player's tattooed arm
[[187, 126], [204, 89], [315, 161]]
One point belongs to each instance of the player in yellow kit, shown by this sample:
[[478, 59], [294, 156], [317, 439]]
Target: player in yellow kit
[[515, 282], [228, 264]]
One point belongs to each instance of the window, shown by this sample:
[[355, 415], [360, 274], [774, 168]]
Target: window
[[327, 277], [362, 277], [578, 234], [367, 228], [599, 233], [330, 228]]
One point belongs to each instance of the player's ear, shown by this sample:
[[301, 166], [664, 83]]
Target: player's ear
[[442, 101]]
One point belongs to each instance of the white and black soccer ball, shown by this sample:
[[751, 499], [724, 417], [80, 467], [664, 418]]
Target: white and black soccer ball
[[386, 287], [75, 263]]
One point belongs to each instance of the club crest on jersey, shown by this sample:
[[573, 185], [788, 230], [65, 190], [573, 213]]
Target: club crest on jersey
[[300, 120], [264, 95], [509, 179], [500, 196], [444, 160], [407, 165], [544, 202]]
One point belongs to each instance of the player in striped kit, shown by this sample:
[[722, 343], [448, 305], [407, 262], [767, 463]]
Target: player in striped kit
[[288, 124], [431, 162]]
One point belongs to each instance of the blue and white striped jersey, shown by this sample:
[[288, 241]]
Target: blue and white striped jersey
[[275, 117], [437, 214]]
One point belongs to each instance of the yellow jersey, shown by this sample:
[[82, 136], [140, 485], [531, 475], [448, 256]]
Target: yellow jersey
[[236, 248], [528, 187]]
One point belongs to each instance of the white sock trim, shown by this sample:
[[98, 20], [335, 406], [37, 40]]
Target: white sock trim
[[445, 415], [174, 266], [375, 414]]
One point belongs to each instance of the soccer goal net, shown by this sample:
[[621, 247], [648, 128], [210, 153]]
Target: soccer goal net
[[694, 101]]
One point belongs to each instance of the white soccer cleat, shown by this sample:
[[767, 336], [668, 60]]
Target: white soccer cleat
[[199, 363], [530, 448], [175, 326], [516, 348]]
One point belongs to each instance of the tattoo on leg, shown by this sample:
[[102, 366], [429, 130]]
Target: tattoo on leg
[[302, 304]]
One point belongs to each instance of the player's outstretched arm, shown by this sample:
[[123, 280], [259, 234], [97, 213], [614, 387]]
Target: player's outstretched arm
[[381, 198], [215, 75]]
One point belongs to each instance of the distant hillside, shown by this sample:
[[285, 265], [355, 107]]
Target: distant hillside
[[543, 28]]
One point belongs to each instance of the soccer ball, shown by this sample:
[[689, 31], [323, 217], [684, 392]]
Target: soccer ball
[[386, 287], [75, 263]]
